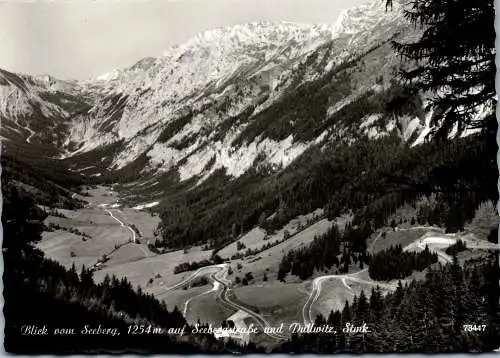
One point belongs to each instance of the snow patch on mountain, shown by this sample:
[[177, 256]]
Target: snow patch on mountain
[[412, 124], [146, 206]]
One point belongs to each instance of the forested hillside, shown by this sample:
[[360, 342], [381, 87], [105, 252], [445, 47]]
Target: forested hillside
[[455, 309], [263, 173], [51, 182], [308, 182], [396, 264], [41, 292], [382, 178]]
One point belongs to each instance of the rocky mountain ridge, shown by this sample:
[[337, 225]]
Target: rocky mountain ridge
[[229, 99]]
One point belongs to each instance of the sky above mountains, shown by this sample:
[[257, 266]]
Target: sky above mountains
[[79, 39]]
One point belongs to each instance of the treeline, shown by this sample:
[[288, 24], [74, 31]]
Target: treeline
[[457, 247], [257, 250], [250, 252], [394, 263], [41, 292], [51, 183], [54, 226], [322, 253], [194, 265], [276, 223], [369, 177], [429, 316]]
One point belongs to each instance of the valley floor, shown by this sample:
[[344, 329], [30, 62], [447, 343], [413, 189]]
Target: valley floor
[[113, 239]]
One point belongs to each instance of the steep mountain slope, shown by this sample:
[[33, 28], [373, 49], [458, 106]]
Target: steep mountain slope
[[236, 123], [219, 101], [36, 109], [191, 108]]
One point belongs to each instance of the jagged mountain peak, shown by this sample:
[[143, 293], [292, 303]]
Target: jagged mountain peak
[[263, 33], [366, 16], [208, 104], [222, 46]]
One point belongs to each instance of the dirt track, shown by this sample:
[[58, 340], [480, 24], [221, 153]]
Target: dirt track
[[316, 290], [222, 285], [436, 240], [111, 225]]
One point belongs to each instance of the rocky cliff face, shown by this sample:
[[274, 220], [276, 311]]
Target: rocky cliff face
[[230, 98]]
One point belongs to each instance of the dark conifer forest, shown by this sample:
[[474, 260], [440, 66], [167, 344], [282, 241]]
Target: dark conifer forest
[[455, 309], [371, 177], [393, 263], [442, 84], [42, 292], [449, 170]]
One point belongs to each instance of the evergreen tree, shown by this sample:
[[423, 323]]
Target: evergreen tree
[[493, 236], [455, 58], [423, 316]]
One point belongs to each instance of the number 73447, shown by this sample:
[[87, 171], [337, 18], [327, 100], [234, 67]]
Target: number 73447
[[474, 327]]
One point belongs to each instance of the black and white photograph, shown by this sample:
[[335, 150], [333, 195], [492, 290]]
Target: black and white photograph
[[249, 177]]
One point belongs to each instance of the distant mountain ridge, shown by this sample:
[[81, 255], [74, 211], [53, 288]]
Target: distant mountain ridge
[[231, 98]]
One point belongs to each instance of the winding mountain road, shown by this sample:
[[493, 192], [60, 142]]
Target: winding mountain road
[[439, 239], [189, 278], [316, 290], [437, 242], [186, 304], [134, 239], [222, 287], [220, 277]]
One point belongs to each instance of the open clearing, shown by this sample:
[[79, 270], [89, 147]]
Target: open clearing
[[276, 302], [105, 227], [104, 233], [254, 239], [133, 261], [333, 296], [380, 241], [270, 258], [139, 272], [96, 232], [141, 219], [208, 309], [180, 297]]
